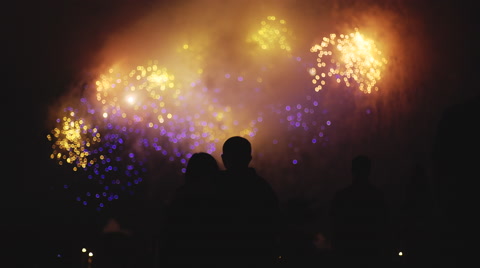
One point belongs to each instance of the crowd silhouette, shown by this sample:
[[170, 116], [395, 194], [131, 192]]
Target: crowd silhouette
[[232, 217]]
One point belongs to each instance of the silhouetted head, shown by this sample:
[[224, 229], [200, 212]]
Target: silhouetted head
[[201, 165], [361, 166], [237, 153]]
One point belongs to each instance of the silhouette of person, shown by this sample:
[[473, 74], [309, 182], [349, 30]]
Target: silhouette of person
[[251, 209], [192, 215], [456, 156], [359, 217], [115, 247]]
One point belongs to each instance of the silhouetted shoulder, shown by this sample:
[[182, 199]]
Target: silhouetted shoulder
[[248, 182]]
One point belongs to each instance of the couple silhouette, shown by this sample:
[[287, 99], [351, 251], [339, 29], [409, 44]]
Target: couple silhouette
[[223, 218]]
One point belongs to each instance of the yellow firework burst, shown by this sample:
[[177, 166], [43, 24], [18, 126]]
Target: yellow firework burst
[[272, 34], [73, 138], [349, 58]]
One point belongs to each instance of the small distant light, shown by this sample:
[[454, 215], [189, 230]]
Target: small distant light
[[294, 161], [59, 255], [90, 254], [84, 250], [400, 253]]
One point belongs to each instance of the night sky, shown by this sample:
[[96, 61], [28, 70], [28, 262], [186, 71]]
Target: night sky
[[430, 45]]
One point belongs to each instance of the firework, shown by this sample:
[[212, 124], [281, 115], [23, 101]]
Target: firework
[[130, 120], [273, 34], [132, 116], [351, 59]]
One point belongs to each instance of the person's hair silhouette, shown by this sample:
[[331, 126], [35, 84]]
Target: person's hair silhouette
[[201, 166]]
